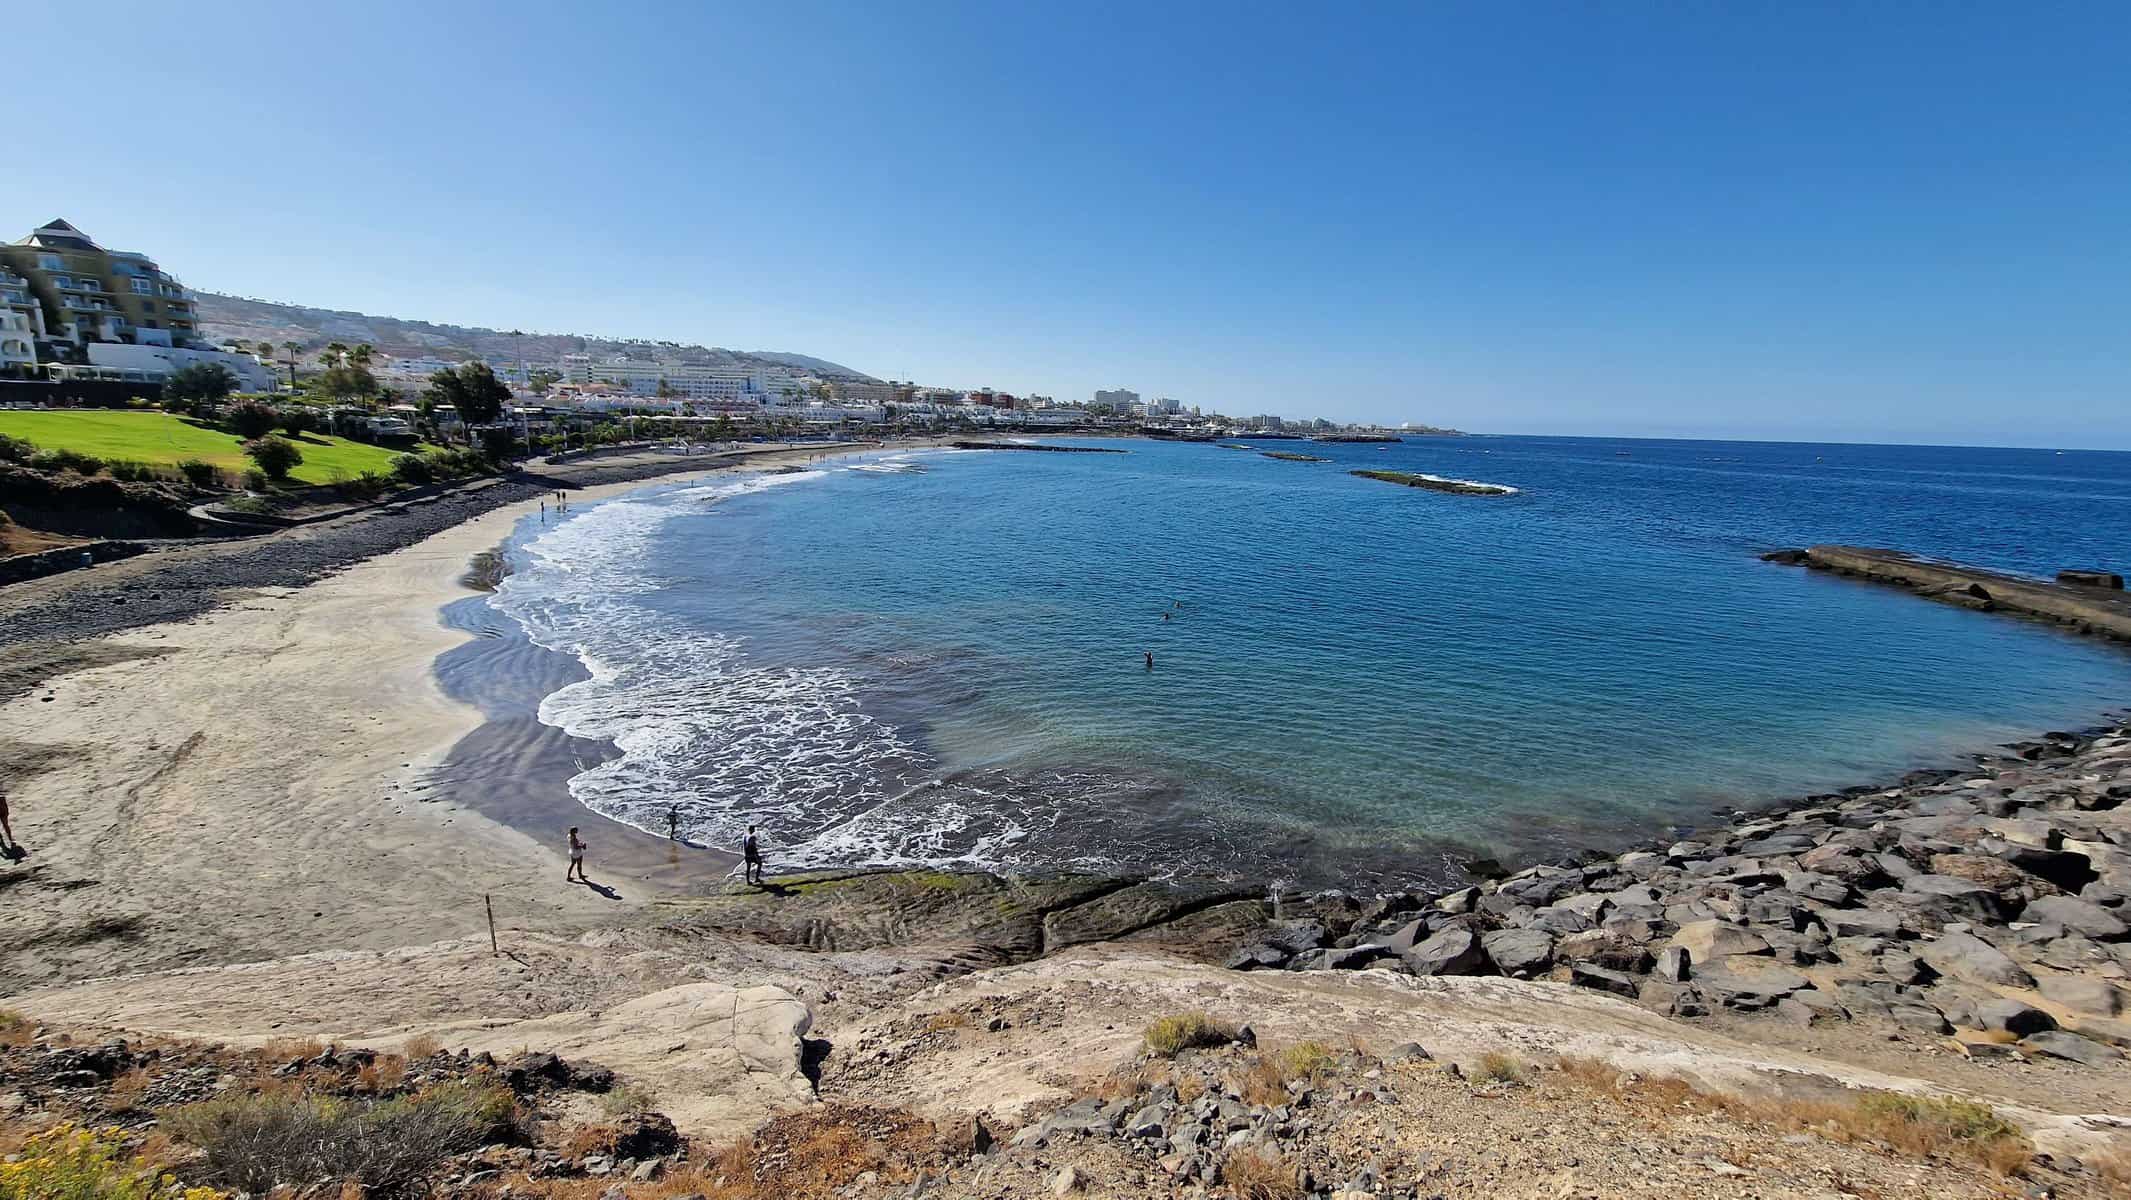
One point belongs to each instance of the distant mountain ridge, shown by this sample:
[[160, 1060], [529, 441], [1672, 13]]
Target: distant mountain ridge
[[225, 317]]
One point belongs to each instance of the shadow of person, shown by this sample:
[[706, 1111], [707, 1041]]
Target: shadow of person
[[602, 889]]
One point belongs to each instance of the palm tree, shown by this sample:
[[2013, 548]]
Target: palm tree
[[360, 356], [336, 352], [292, 350]]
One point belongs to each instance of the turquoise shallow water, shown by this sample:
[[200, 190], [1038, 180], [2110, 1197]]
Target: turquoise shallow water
[[939, 657]]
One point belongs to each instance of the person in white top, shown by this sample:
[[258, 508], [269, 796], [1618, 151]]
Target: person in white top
[[577, 859]]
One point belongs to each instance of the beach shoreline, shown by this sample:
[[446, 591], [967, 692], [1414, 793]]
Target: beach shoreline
[[260, 777], [326, 699]]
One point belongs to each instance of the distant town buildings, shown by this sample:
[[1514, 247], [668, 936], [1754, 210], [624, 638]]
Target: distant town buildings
[[1121, 399], [671, 379]]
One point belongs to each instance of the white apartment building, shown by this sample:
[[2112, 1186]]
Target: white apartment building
[[1121, 399], [688, 381], [157, 362]]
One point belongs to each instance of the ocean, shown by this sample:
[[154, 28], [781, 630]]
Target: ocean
[[939, 657]]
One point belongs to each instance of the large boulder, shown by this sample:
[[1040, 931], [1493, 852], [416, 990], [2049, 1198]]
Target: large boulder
[[2071, 1047], [2082, 994], [1842, 862], [1522, 953], [1951, 898], [1966, 956], [1708, 941], [2079, 916], [1453, 951], [2012, 1016]]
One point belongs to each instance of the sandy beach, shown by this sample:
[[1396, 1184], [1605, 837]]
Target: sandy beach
[[256, 782]]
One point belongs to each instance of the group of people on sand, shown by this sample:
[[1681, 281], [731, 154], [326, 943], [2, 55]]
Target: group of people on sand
[[750, 849]]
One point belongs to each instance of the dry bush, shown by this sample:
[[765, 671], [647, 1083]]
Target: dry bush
[[940, 1022], [1591, 1073], [1260, 1083], [421, 1046], [1189, 1087], [124, 1095], [1495, 1066], [814, 1153], [15, 1029], [1919, 1126], [1171, 1036], [382, 1075], [2114, 1167], [1254, 1174], [1306, 1060], [390, 1147], [596, 1138], [1124, 1085], [1265, 1081], [289, 1049]]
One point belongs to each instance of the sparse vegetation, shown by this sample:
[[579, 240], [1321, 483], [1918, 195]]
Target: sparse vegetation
[[15, 1029], [421, 1046], [1173, 1035], [625, 1098], [1914, 1125], [260, 1142], [1497, 1066], [1254, 1174]]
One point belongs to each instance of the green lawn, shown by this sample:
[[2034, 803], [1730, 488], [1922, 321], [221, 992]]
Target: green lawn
[[160, 439]]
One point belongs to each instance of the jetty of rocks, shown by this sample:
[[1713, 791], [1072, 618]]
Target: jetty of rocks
[[2089, 600]]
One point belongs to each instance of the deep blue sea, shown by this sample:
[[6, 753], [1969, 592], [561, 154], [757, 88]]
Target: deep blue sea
[[939, 656]]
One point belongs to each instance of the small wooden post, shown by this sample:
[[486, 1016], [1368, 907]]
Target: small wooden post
[[490, 905]]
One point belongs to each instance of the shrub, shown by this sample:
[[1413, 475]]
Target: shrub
[[199, 473], [1254, 1174], [251, 418], [367, 486], [132, 472], [15, 1029], [15, 450], [66, 460], [1171, 1036], [256, 479], [421, 1046], [389, 1147], [1497, 1067], [296, 419], [413, 469], [276, 456], [67, 1163], [1306, 1060], [626, 1098]]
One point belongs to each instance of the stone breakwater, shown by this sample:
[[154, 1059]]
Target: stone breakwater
[[1990, 906], [1436, 483], [2090, 601]]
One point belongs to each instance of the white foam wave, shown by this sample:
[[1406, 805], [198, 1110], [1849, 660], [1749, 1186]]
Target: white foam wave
[[726, 741]]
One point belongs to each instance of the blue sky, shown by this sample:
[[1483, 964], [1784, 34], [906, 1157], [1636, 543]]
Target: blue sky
[[1874, 222]]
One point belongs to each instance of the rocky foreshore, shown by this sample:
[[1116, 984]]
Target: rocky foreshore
[[1991, 906]]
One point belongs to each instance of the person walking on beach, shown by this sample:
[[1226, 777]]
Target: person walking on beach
[[576, 871], [8, 845], [673, 823], [751, 855]]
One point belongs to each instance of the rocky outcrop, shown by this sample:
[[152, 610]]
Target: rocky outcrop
[[1984, 900], [2082, 599]]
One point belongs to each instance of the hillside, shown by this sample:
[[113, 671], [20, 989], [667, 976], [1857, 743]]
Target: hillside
[[223, 317]]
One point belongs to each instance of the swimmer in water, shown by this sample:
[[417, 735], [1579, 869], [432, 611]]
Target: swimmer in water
[[1150, 660]]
